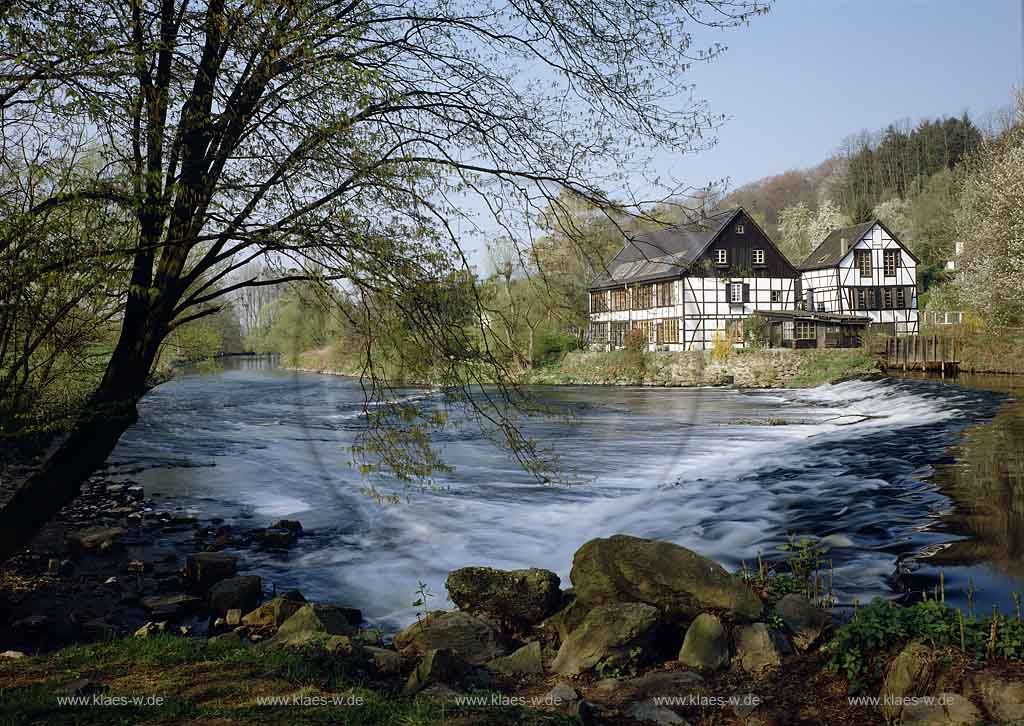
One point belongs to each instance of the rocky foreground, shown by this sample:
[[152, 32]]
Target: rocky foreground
[[651, 632]]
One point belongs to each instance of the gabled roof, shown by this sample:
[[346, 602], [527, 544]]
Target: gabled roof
[[664, 252], [830, 251]]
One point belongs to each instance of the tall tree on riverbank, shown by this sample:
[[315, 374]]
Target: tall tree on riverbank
[[990, 223], [340, 136]]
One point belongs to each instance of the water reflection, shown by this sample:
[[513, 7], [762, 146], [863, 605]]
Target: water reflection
[[986, 483]]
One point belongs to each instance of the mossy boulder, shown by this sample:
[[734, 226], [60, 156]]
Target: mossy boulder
[[473, 639], [805, 622], [243, 592], [438, 665], [525, 660], [275, 612], [759, 648], [677, 581], [1002, 696], [313, 623], [706, 644], [566, 620], [910, 673], [615, 635], [524, 596]]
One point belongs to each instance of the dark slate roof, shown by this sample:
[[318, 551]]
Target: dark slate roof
[[664, 252], [830, 251]]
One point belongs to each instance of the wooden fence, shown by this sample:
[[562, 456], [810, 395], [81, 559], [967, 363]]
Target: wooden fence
[[934, 353]]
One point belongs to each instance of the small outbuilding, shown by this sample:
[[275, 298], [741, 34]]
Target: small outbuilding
[[805, 329]]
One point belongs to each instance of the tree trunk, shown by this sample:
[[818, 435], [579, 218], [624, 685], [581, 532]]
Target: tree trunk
[[109, 413]]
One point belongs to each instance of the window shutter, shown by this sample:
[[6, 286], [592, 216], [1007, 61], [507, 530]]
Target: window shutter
[[798, 293], [746, 293]]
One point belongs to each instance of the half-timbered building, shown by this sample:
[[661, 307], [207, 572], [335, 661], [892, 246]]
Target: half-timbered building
[[863, 270], [683, 287]]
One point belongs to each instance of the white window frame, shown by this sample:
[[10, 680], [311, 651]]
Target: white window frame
[[758, 256], [721, 256], [736, 291], [741, 229]]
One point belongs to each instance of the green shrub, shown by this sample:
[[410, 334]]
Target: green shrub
[[756, 331], [856, 647]]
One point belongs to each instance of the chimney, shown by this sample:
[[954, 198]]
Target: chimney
[[844, 245]]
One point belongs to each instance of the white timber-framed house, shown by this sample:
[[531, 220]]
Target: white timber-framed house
[[863, 270], [686, 286]]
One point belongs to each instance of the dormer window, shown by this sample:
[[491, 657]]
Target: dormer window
[[758, 257], [721, 256], [740, 229]]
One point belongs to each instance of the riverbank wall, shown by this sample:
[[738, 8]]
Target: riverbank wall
[[757, 368]]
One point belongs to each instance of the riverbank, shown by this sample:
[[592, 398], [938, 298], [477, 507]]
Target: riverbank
[[651, 633], [755, 368]]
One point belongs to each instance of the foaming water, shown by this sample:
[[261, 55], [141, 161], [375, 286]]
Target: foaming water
[[725, 472]]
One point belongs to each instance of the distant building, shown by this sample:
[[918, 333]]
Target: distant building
[[953, 262], [863, 270], [684, 286]]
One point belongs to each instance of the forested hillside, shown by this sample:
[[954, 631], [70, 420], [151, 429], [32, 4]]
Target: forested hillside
[[903, 174]]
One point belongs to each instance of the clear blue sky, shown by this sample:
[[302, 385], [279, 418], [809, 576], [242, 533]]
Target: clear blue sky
[[797, 81]]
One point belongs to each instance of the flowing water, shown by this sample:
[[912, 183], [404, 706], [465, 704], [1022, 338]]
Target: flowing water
[[865, 465]]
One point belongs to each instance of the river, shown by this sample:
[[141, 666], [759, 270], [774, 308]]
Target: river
[[882, 470]]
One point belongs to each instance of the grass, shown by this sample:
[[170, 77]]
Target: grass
[[831, 366], [219, 683]]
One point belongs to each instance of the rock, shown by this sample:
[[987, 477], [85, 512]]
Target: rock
[[291, 525], [525, 660], [312, 622], [99, 629], [338, 645], [909, 674], [13, 654], [205, 569], [384, 661], [651, 711], [561, 693], [759, 648], [438, 693], [152, 628], [611, 635], [471, 638], [232, 636], [1002, 697], [523, 596], [82, 687], [680, 583], [243, 592], [233, 618], [277, 538], [105, 539], [805, 622], [171, 606], [276, 611], [706, 645], [438, 665], [657, 684], [565, 620], [950, 709]]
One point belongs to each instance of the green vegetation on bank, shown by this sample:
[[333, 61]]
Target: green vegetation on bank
[[857, 648], [201, 680]]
